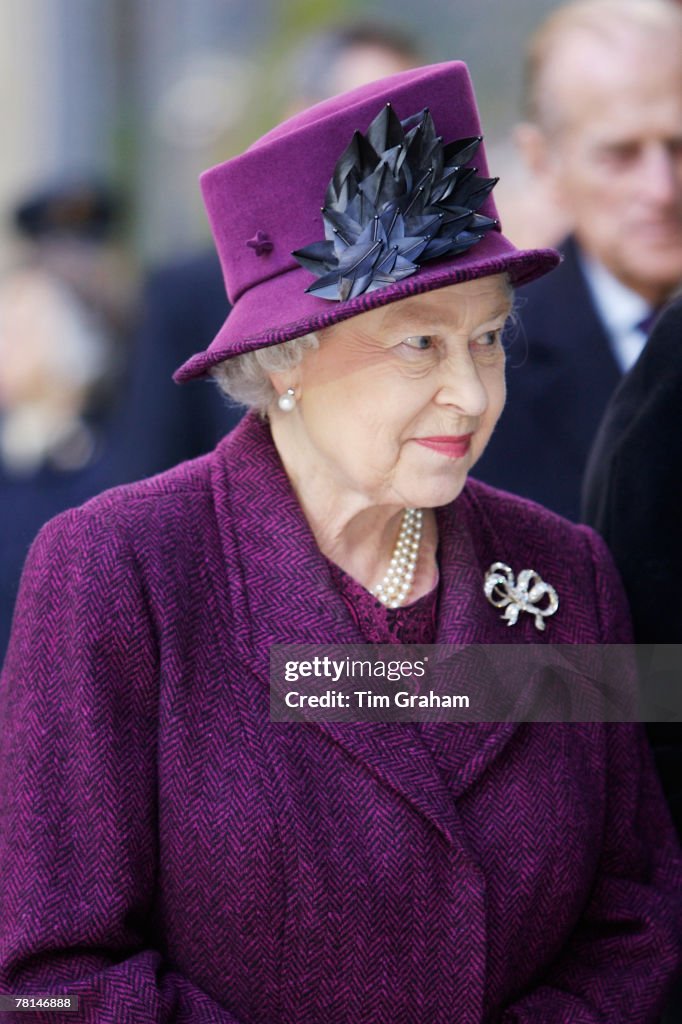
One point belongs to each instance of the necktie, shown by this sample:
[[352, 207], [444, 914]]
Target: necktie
[[645, 325]]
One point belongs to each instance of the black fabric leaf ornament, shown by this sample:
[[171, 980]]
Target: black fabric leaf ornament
[[398, 198]]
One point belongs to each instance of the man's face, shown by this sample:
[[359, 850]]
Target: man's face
[[615, 154]]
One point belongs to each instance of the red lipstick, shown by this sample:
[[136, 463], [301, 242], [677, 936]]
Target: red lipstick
[[451, 447]]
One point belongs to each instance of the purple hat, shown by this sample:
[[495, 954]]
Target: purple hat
[[352, 204]]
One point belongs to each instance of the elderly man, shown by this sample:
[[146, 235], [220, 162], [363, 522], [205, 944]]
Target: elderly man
[[604, 98]]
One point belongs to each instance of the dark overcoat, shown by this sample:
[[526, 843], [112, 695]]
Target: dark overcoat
[[169, 853], [561, 372], [632, 495]]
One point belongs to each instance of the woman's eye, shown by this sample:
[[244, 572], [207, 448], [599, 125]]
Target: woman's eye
[[489, 339], [421, 342]]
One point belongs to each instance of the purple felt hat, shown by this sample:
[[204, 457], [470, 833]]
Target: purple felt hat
[[359, 201]]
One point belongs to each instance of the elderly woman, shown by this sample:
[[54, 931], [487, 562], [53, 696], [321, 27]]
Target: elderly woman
[[169, 852]]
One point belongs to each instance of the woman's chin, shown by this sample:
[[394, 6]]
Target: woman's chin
[[434, 494], [433, 480]]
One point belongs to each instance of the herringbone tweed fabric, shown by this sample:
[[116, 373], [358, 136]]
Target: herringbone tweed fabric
[[169, 854]]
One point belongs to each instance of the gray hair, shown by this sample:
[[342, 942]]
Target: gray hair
[[245, 379]]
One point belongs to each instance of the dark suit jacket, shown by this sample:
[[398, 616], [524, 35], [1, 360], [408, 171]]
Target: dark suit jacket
[[560, 375], [162, 423], [633, 496]]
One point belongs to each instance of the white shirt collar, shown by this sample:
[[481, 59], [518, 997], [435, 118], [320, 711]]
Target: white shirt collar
[[620, 310]]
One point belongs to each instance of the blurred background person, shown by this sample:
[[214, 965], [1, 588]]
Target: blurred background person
[[604, 102], [344, 56], [64, 313], [184, 303]]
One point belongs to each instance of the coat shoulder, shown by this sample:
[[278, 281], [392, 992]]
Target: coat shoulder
[[528, 528], [182, 491], [133, 562], [522, 518], [147, 529], [572, 558]]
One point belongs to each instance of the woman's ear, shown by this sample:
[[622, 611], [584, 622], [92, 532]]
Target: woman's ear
[[541, 155], [284, 381]]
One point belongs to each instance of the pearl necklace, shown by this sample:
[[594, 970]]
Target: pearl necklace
[[397, 583]]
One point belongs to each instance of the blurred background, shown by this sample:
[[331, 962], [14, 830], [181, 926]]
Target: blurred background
[[147, 93]]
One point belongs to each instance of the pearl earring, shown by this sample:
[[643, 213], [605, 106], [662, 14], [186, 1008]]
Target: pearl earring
[[287, 401]]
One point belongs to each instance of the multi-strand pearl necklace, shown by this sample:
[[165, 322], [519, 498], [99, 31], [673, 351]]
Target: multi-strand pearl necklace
[[397, 583]]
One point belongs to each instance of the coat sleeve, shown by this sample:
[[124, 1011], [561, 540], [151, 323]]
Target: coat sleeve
[[627, 948], [78, 835]]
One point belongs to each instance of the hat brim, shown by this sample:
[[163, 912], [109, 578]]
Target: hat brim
[[285, 311]]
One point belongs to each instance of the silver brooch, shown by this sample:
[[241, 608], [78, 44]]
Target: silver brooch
[[522, 595]]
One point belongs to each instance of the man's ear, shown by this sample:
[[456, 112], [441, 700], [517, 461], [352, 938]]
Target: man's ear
[[544, 161], [533, 146]]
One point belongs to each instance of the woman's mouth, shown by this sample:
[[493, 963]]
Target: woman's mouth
[[451, 447]]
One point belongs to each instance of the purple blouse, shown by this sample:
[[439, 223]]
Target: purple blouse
[[414, 623]]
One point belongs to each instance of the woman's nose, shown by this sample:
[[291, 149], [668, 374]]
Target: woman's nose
[[461, 386]]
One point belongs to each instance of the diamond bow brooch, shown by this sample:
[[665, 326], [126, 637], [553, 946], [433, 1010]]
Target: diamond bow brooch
[[529, 593]]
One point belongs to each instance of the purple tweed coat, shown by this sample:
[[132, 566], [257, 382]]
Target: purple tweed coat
[[169, 854]]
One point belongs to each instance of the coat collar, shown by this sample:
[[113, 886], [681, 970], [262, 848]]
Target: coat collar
[[289, 598]]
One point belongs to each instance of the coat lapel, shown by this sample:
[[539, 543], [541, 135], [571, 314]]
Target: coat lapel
[[466, 550], [287, 597], [586, 341]]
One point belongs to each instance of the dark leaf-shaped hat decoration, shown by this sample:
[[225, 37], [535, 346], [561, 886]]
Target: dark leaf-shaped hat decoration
[[398, 198]]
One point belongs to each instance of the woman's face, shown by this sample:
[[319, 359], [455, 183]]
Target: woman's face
[[397, 404]]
